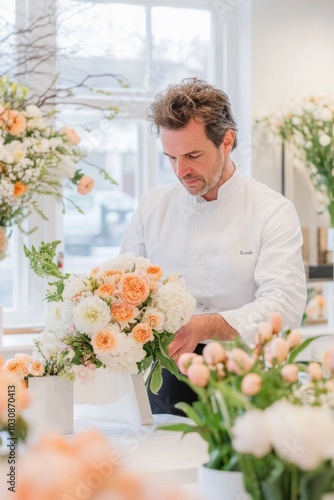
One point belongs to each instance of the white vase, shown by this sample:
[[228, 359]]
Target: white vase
[[221, 485], [330, 241], [51, 404], [113, 397]]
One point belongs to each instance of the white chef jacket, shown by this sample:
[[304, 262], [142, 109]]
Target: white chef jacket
[[240, 254]]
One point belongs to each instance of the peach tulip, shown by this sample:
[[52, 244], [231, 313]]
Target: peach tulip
[[315, 371], [198, 374], [276, 322], [185, 361], [294, 339], [251, 384], [214, 353], [279, 349], [290, 373], [85, 185]]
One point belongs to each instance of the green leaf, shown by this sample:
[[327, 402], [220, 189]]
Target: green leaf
[[155, 382], [300, 348], [168, 363], [190, 412], [184, 428]]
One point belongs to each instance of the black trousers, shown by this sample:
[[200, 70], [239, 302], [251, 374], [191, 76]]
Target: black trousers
[[171, 392]]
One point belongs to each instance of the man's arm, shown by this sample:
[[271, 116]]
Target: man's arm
[[198, 329]]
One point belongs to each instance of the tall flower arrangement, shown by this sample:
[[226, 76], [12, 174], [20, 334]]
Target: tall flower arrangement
[[36, 158], [263, 413], [121, 316], [309, 127]]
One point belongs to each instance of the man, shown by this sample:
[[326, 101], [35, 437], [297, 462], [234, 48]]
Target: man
[[236, 242]]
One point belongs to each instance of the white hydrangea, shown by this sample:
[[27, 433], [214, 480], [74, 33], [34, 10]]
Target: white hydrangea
[[75, 285], [125, 262], [59, 315], [125, 359], [176, 303]]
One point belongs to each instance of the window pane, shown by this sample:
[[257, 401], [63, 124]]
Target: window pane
[[97, 234], [7, 26], [181, 41], [113, 43]]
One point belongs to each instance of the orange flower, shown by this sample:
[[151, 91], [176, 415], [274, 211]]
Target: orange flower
[[13, 122], [123, 312], [134, 289], [71, 135], [105, 290], [104, 340], [85, 185], [112, 275], [19, 189], [142, 333], [154, 272], [18, 366]]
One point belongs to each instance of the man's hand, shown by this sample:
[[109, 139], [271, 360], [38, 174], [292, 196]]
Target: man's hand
[[199, 328]]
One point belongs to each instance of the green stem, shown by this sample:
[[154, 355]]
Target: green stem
[[294, 483], [330, 208]]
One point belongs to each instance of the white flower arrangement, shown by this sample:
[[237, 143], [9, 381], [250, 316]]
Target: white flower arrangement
[[36, 158], [121, 316], [309, 127]]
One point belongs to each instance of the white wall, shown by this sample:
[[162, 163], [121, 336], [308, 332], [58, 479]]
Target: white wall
[[292, 56]]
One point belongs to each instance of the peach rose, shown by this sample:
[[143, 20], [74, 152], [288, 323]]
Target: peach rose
[[251, 384], [198, 374], [214, 353], [71, 135], [154, 272], [134, 289], [279, 349], [95, 271], [19, 189], [36, 368], [276, 322], [18, 366], [154, 318], [13, 122], [105, 290], [142, 333], [22, 398], [112, 276], [290, 373], [315, 371], [294, 339], [104, 340], [185, 361], [85, 185], [123, 313]]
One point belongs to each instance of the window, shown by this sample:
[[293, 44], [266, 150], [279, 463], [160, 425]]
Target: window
[[146, 45]]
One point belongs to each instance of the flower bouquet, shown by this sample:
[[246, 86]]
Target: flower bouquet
[[121, 316], [35, 159], [309, 127], [243, 395]]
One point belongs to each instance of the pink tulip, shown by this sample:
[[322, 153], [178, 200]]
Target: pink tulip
[[290, 373], [315, 371], [185, 361], [239, 361], [279, 349], [265, 331], [294, 339], [276, 322], [329, 360], [251, 384], [214, 353], [199, 374]]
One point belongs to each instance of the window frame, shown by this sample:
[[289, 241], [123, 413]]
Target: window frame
[[230, 69]]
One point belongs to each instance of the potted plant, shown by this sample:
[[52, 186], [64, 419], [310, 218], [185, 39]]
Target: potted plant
[[231, 383]]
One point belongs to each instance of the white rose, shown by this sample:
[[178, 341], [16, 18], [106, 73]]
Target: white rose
[[324, 140], [326, 115], [250, 434]]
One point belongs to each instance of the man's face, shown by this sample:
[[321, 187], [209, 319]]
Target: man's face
[[196, 161]]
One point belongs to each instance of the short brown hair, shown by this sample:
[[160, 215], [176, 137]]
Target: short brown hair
[[193, 98]]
